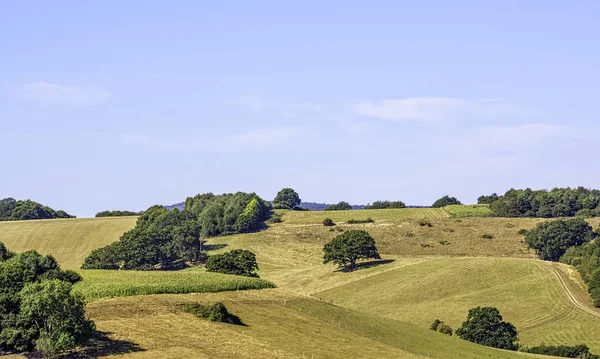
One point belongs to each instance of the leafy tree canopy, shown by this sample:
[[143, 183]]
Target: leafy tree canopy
[[386, 204], [341, 206], [445, 201], [13, 210], [117, 214], [487, 199], [484, 326], [552, 239], [347, 248], [237, 262], [287, 198]]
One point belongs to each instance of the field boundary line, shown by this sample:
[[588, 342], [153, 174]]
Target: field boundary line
[[570, 294]]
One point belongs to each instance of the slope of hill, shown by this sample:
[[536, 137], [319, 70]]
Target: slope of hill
[[68, 240]]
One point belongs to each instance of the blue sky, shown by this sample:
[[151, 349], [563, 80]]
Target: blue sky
[[121, 105]]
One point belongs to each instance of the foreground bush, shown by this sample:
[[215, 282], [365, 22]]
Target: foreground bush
[[347, 248], [328, 222], [552, 239], [484, 326], [215, 313], [577, 351], [360, 221], [237, 262]]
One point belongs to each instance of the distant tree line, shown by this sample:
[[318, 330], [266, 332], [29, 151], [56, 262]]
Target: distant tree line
[[117, 213], [558, 202], [445, 201], [386, 204], [570, 241], [13, 210], [37, 310], [341, 206], [163, 239]]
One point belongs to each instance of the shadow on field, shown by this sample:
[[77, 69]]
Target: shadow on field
[[369, 264], [100, 345], [214, 247]]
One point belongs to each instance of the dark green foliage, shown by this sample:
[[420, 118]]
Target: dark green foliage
[[552, 239], [484, 326], [5, 253], [523, 232], [349, 247], [161, 239], [586, 258], [360, 221], [287, 198], [117, 213], [57, 318], [587, 213], [386, 204], [275, 218], [436, 323], [36, 307], [328, 222], [445, 201], [577, 351], [559, 202], [341, 206], [237, 262], [250, 219], [440, 326], [12, 210], [215, 313], [424, 223], [487, 199]]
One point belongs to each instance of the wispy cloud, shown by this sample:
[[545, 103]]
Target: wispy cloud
[[412, 109], [50, 94]]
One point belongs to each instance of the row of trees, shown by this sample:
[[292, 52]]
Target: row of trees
[[37, 309], [117, 213], [570, 241], [558, 202], [386, 204], [13, 210], [163, 239]]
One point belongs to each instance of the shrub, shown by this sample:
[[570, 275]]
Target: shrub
[[484, 326], [577, 351], [349, 247], [424, 223], [426, 245], [436, 323], [215, 313], [487, 236], [328, 222], [331, 229], [341, 206], [445, 201], [410, 234], [444, 243], [523, 232], [275, 218], [360, 221], [552, 239], [445, 329], [237, 262]]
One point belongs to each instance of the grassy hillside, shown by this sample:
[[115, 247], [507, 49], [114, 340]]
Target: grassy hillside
[[98, 284], [469, 210], [279, 325], [68, 240]]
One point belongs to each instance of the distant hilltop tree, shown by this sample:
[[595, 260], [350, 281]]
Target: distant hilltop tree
[[445, 201], [287, 198], [341, 206], [117, 213], [558, 202], [13, 210], [487, 199], [386, 204]]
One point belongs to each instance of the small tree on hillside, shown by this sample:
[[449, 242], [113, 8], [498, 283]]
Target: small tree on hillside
[[445, 201], [484, 326], [341, 206], [287, 198], [552, 239], [349, 247], [238, 262]]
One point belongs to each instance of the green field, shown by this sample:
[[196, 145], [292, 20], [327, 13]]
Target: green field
[[383, 310], [98, 284], [68, 240], [469, 210]]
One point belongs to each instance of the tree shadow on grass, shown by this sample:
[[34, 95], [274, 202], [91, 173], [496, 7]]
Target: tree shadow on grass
[[365, 265], [99, 345], [213, 247]]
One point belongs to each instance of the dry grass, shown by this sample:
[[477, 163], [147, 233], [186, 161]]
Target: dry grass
[[68, 240], [279, 325], [315, 217]]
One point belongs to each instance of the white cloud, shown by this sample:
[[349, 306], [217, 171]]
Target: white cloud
[[414, 108], [50, 94]]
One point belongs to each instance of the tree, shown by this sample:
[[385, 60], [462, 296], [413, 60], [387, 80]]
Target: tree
[[341, 206], [287, 198], [349, 247], [552, 239], [487, 199], [237, 262], [6, 207], [445, 201], [386, 204], [56, 316], [484, 326]]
